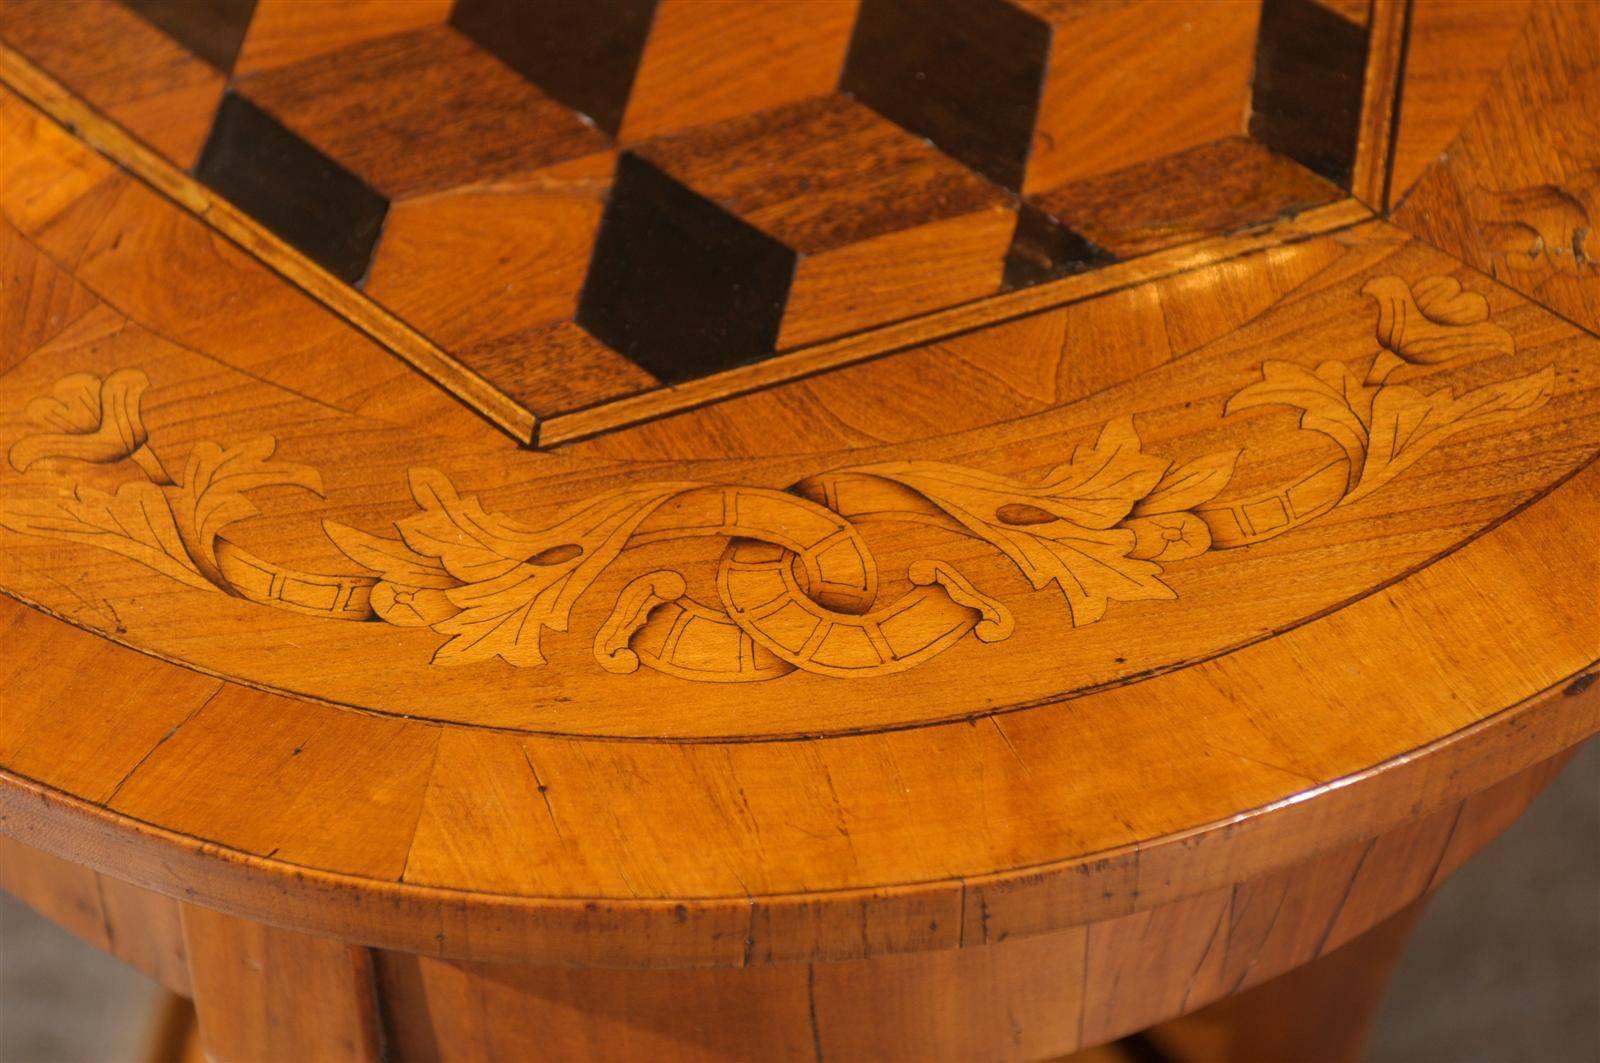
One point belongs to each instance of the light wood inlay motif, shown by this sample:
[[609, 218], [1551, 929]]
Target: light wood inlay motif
[[1213, 563], [798, 585], [1517, 193], [173, 527], [1544, 226]]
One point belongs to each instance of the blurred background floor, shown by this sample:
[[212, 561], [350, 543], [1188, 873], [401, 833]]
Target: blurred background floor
[[1504, 968]]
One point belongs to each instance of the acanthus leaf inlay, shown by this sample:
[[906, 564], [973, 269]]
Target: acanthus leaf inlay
[[798, 585]]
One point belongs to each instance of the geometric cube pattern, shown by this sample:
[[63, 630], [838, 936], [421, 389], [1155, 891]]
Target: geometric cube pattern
[[295, 190], [583, 200], [1307, 87]]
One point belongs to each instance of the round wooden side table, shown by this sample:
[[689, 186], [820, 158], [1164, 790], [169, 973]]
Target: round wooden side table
[[659, 530]]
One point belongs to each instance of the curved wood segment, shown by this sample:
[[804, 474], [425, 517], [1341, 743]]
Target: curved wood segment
[[683, 230], [1018, 998], [1077, 523], [1454, 48], [1026, 536], [543, 789], [1517, 194], [1038, 995]]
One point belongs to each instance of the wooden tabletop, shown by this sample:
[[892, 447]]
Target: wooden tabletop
[[640, 522]]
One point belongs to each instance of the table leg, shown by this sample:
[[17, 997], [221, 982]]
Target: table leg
[[262, 993], [1321, 1012]]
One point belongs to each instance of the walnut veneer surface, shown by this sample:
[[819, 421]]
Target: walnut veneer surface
[[813, 529]]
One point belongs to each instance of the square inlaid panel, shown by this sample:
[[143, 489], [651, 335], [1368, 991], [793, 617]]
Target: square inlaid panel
[[577, 214]]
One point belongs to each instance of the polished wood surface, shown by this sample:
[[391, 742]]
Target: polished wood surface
[[1295, 939], [690, 562]]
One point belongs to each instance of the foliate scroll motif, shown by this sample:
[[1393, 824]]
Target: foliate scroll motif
[[1381, 428], [1432, 321], [173, 526], [1544, 226], [1072, 529], [489, 582], [88, 419], [797, 588]]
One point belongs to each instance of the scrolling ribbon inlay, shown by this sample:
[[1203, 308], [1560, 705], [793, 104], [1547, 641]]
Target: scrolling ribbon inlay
[[797, 585]]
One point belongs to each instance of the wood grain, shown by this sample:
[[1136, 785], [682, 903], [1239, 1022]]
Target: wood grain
[[122, 65], [340, 80], [1388, 35], [137, 926], [264, 993], [942, 221], [1322, 1012], [1029, 900], [372, 105], [40, 298], [1453, 50], [1188, 73], [1515, 196], [284, 32], [1011, 1000], [984, 674], [1215, 188], [1309, 86], [893, 339], [706, 62], [1103, 626], [396, 337]]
